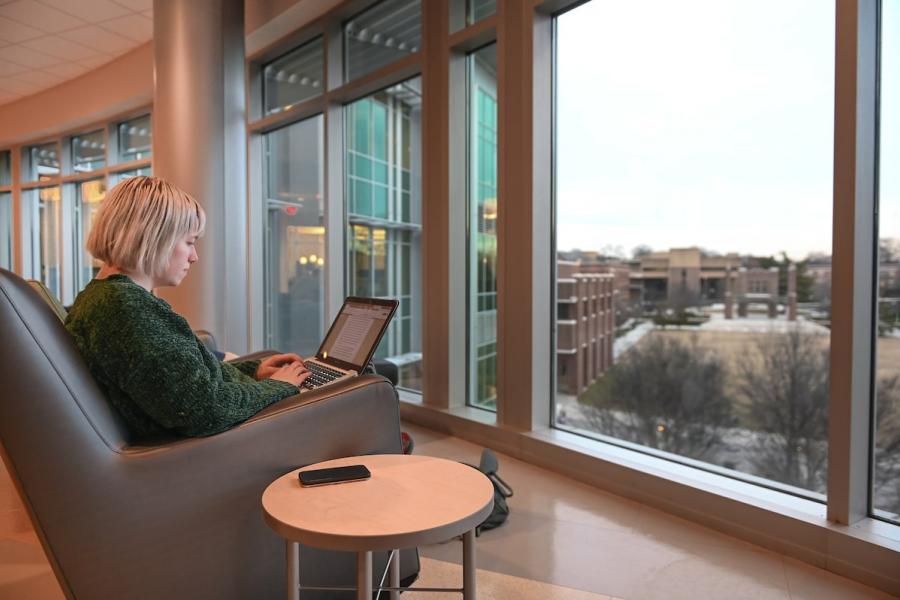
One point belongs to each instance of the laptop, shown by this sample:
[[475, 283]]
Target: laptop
[[350, 342]]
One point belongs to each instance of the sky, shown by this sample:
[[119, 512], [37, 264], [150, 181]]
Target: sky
[[705, 123]]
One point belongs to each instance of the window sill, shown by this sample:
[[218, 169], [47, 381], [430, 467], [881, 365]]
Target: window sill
[[867, 551]]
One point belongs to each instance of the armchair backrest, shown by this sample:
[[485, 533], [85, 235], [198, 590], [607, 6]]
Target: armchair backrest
[[46, 385], [52, 301], [177, 520]]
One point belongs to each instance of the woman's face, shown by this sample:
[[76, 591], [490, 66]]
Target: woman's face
[[183, 256]]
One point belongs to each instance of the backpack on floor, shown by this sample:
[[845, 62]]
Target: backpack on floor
[[502, 491]]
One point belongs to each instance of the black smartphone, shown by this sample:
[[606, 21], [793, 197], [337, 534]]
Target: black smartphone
[[334, 475]]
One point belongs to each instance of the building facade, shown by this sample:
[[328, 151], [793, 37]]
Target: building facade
[[585, 326]]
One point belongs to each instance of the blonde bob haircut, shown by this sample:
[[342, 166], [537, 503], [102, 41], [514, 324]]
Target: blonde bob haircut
[[139, 223]]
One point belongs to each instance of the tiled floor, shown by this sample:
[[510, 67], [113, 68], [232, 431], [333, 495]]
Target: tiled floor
[[573, 535], [491, 585], [560, 532]]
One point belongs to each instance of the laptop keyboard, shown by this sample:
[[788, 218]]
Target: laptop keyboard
[[320, 375]]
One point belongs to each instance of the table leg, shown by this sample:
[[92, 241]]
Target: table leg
[[293, 570], [395, 574], [364, 575], [469, 565]]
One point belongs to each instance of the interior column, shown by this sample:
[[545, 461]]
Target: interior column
[[199, 144]]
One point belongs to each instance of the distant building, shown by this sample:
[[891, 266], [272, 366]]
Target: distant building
[[759, 286], [689, 276], [685, 271], [585, 326], [818, 269]]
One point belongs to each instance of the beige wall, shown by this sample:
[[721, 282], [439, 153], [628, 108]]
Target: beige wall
[[126, 83], [260, 12], [121, 85]]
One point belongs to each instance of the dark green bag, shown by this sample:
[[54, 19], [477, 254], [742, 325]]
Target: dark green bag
[[502, 491]]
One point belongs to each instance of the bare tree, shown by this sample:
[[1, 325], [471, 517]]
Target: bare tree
[[640, 251], [889, 250], [785, 385], [665, 394], [886, 480]]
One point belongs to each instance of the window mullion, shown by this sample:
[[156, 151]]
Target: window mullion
[[337, 232], [853, 260]]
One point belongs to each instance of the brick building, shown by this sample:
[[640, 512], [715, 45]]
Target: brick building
[[585, 326]]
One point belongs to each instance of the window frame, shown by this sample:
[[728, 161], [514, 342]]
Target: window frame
[[842, 537], [521, 427], [23, 206], [8, 188], [337, 92]]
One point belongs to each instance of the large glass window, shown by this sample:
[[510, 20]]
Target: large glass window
[[45, 248], [886, 471], [693, 232], [380, 35], [134, 139], [482, 245], [88, 196], [294, 237], [296, 76], [477, 10], [40, 163], [88, 151], [384, 215], [6, 218], [6, 231]]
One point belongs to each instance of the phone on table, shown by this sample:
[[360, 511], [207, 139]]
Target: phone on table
[[334, 475]]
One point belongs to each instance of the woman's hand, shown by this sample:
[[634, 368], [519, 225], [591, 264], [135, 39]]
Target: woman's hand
[[294, 374], [269, 366]]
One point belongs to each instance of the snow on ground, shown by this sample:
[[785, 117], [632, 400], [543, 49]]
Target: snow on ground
[[718, 323], [623, 343], [761, 324]]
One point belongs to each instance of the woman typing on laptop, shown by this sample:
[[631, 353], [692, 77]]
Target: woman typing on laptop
[[143, 354]]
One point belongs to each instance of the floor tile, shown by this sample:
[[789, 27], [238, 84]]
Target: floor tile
[[664, 528], [606, 561], [570, 534], [735, 574], [25, 572], [806, 582], [559, 533], [545, 492], [491, 585]]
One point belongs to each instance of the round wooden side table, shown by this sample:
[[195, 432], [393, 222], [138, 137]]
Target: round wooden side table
[[409, 501]]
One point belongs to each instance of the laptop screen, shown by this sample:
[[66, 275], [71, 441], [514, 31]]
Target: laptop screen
[[355, 333]]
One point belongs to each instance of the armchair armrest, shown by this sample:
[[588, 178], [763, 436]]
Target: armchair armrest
[[196, 502]]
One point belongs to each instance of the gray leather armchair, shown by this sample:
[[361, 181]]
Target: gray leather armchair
[[177, 518]]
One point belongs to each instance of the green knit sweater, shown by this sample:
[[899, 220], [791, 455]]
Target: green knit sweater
[[153, 368]]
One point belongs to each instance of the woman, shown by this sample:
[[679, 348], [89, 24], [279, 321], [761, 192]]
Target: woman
[[144, 355]]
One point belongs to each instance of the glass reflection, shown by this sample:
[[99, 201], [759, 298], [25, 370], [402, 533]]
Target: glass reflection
[[384, 213], [88, 198], [88, 151], [45, 247], [5, 168], [295, 238], [41, 163], [483, 208], [135, 139], [388, 31], [294, 77], [6, 231]]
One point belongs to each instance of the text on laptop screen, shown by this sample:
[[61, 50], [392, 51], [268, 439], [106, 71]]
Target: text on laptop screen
[[354, 332]]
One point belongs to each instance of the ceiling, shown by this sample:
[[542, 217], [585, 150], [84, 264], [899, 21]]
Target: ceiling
[[46, 42]]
